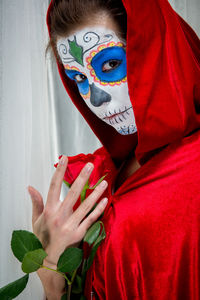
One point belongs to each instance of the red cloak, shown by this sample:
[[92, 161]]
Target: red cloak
[[152, 222]]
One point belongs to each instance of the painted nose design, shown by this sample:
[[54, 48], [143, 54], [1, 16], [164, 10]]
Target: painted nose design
[[98, 96]]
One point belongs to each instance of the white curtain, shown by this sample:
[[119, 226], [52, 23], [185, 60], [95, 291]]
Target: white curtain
[[37, 121], [27, 129]]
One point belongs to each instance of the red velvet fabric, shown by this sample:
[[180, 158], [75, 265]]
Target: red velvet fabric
[[152, 222], [152, 247]]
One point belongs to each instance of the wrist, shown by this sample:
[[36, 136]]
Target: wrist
[[49, 263], [53, 283], [52, 256]]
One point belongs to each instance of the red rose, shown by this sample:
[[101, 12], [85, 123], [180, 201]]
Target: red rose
[[102, 166]]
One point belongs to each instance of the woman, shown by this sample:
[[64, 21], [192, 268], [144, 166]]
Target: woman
[[149, 128]]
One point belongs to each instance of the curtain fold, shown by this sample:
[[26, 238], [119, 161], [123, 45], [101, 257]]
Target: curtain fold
[[27, 133], [38, 122]]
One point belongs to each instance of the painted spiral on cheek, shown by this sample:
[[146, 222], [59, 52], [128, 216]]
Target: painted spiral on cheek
[[63, 52], [62, 49]]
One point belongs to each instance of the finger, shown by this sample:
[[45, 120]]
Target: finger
[[93, 216], [53, 196], [88, 203], [77, 187], [37, 203]]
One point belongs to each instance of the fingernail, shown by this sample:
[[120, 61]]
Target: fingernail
[[105, 201], [62, 161], [89, 167], [103, 184], [30, 193], [28, 187]]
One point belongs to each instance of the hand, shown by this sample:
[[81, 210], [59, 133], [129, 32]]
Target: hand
[[56, 224]]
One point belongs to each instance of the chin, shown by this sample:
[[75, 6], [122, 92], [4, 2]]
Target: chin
[[126, 130]]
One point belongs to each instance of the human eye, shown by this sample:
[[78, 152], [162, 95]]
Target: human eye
[[80, 78], [110, 65]]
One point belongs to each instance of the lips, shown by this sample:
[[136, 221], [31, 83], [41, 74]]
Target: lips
[[117, 117]]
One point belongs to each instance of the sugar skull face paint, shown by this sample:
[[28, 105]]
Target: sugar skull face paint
[[95, 58]]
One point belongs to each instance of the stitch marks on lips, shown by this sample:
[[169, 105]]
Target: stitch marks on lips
[[117, 117]]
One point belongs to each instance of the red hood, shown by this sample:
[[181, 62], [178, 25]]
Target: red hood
[[163, 70]]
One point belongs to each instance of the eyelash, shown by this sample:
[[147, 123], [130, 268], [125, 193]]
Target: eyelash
[[118, 63], [83, 78]]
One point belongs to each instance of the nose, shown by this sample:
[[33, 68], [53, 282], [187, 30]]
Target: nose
[[98, 96]]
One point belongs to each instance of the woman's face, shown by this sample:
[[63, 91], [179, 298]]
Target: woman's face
[[95, 58]]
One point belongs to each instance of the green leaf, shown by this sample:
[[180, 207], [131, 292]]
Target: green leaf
[[84, 269], [64, 297], [33, 260], [100, 180], [95, 247], [77, 285], [67, 183], [13, 289], [22, 242], [76, 51], [102, 235], [92, 233], [83, 193], [70, 260], [92, 255]]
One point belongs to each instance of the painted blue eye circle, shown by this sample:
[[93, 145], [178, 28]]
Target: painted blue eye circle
[[80, 79], [84, 86], [110, 64]]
